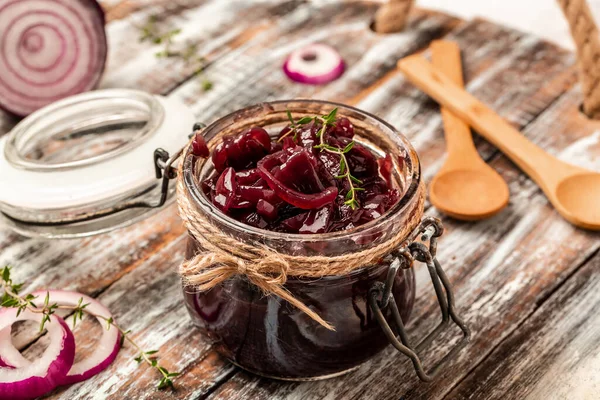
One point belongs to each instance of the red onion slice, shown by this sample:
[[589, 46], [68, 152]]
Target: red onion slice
[[106, 349], [49, 50], [315, 64], [294, 197], [49, 371]]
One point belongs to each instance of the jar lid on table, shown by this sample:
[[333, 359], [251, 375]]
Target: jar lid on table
[[88, 164]]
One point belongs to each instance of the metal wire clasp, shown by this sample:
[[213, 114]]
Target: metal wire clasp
[[163, 167], [381, 297]]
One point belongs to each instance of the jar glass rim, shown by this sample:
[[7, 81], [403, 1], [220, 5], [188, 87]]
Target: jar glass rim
[[25, 133], [207, 207]]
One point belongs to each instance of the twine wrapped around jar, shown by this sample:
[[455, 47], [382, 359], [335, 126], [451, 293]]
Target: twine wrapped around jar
[[392, 16], [223, 256]]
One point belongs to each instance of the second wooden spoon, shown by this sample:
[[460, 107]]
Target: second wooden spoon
[[574, 191], [465, 188]]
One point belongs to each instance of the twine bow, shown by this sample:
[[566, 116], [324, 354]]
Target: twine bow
[[222, 256]]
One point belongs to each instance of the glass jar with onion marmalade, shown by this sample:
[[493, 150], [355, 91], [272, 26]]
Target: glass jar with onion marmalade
[[264, 334]]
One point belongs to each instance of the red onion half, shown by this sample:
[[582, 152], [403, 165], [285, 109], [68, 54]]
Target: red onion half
[[49, 50], [49, 371], [315, 64], [105, 351]]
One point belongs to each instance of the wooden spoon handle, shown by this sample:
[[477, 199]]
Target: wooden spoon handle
[[445, 56], [543, 168]]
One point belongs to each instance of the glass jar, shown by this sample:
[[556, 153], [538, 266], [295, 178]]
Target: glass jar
[[83, 165], [264, 334]]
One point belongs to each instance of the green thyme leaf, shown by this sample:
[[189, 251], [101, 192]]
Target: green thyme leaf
[[304, 120], [6, 274], [342, 165], [29, 300], [355, 180], [164, 383], [289, 115], [17, 288], [206, 84], [348, 147], [10, 302], [325, 146], [123, 334], [330, 118]]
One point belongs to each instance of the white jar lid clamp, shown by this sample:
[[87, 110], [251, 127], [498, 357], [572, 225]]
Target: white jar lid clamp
[[91, 163]]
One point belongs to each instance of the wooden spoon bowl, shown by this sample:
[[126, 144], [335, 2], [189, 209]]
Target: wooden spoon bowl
[[578, 199], [469, 194]]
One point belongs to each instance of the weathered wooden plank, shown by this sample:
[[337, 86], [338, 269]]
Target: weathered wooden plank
[[49, 264], [535, 257], [500, 268], [214, 26], [531, 62], [31, 256], [54, 258], [85, 265], [555, 354], [121, 9], [7, 121], [149, 302], [253, 73], [459, 237]]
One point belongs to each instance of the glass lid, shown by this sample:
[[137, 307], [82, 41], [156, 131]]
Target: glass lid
[[87, 164]]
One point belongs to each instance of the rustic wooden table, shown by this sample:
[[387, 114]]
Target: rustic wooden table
[[526, 282]]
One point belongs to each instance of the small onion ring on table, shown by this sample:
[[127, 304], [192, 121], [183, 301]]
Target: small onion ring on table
[[105, 351], [49, 371], [49, 50], [315, 64]]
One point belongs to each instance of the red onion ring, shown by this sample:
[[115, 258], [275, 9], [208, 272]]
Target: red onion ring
[[49, 50], [315, 64], [105, 351], [49, 371]]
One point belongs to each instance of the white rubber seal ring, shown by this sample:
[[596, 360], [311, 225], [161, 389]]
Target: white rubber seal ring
[[48, 190]]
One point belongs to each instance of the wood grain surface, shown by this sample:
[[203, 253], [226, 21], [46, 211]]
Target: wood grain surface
[[526, 281]]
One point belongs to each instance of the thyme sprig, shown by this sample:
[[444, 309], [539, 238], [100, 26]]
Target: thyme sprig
[[11, 298], [149, 32], [329, 120]]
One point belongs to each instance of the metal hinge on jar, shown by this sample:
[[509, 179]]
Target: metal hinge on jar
[[381, 297]]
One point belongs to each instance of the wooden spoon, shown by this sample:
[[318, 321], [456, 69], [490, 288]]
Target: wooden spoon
[[466, 187], [574, 191]]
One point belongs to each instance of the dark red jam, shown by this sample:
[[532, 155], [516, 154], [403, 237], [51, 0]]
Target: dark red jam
[[269, 337], [312, 178]]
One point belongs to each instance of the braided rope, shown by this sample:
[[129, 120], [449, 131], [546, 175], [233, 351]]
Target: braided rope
[[585, 34], [392, 16], [223, 256]]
